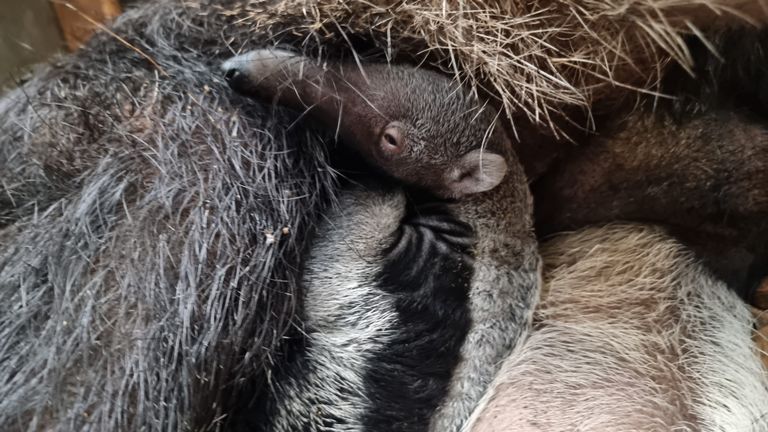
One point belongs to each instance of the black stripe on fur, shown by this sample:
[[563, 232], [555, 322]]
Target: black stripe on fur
[[430, 268]]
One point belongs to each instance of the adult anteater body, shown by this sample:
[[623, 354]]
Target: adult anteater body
[[152, 223]]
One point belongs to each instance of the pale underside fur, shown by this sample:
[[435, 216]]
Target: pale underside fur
[[349, 318], [632, 335]]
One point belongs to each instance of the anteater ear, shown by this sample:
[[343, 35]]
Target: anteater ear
[[477, 171]]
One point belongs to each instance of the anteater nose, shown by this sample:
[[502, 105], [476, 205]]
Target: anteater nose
[[231, 74]]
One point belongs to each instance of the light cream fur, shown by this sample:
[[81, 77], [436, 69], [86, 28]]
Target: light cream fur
[[632, 335]]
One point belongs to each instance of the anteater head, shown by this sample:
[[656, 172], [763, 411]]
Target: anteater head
[[416, 125]]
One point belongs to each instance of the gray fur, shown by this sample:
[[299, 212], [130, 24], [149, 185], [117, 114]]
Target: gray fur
[[148, 248], [505, 290], [150, 228], [349, 318], [446, 139]]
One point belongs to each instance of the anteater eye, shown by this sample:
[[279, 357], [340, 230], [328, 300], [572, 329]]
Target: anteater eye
[[393, 140]]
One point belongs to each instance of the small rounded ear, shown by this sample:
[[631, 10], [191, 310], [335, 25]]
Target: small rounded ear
[[392, 141], [477, 171]]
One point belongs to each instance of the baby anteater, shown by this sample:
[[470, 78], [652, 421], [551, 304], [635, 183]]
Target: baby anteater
[[412, 300]]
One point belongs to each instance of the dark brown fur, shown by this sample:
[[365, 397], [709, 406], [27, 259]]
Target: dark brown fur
[[697, 164], [704, 177]]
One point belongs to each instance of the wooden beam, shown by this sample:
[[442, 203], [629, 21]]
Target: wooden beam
[[79, 19]]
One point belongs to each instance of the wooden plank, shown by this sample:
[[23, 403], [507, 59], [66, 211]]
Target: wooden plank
[[79, 19]]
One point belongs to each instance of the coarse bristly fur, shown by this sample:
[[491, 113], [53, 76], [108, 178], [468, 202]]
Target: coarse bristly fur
[[632, 335], [536, 57], [152, 225], [152, 222]]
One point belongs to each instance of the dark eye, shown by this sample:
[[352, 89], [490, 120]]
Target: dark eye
[[392, 140]]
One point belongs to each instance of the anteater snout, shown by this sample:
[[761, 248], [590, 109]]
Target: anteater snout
[[231, 74], [236, 75], [239, 81], [265, 67]]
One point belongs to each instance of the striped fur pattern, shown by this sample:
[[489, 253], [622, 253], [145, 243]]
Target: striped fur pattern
[[409, 312], [386, 314], [631, 335]]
